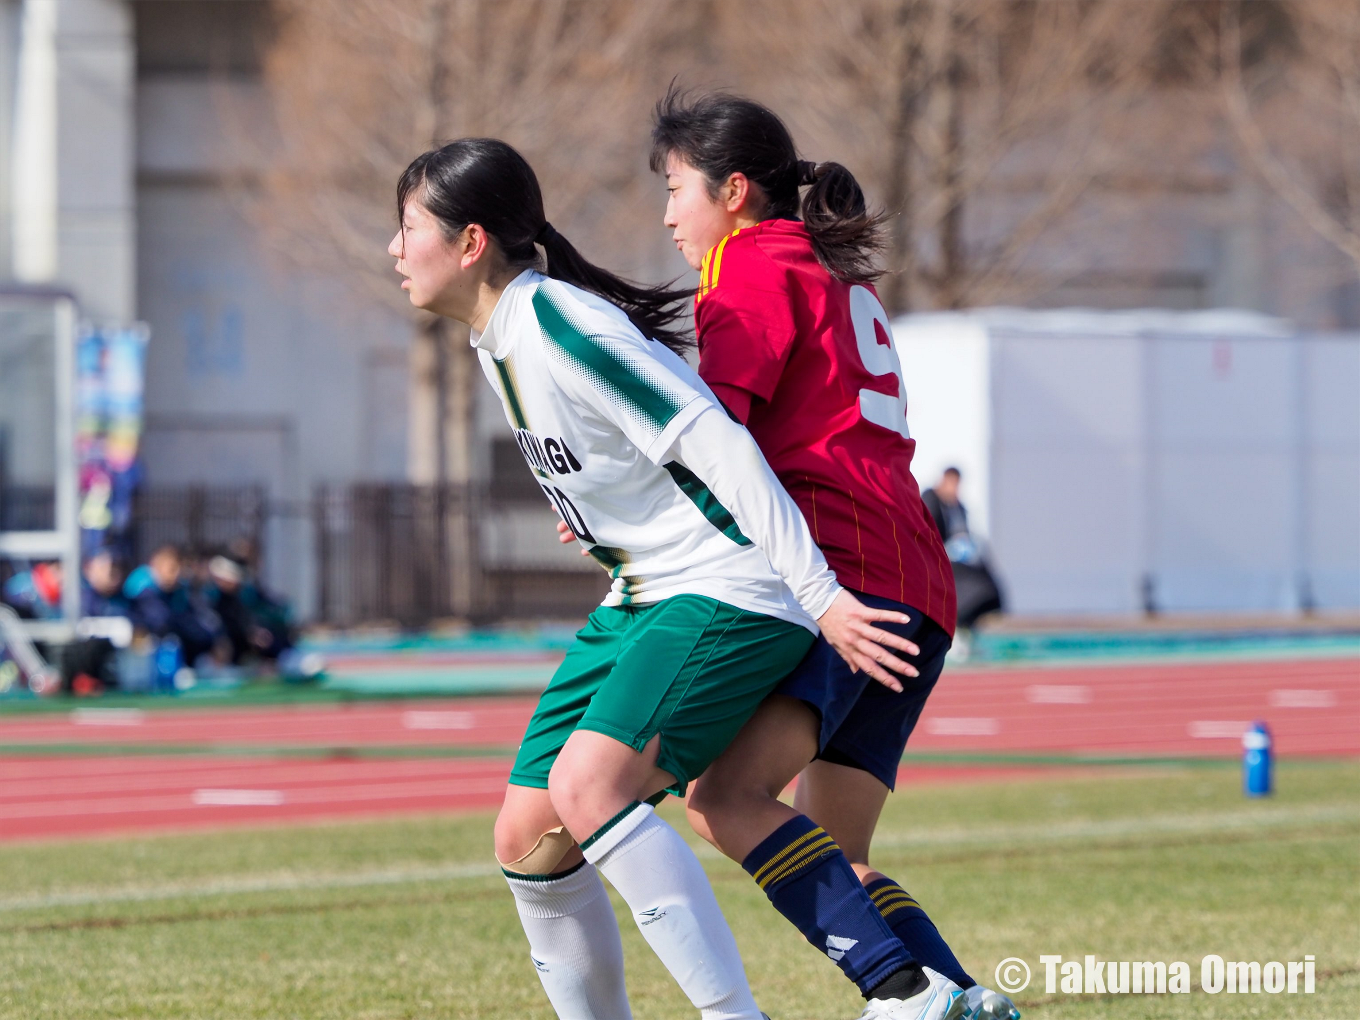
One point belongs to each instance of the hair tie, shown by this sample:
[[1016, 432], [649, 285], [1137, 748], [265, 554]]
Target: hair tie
[[545, 233], [807, 172]]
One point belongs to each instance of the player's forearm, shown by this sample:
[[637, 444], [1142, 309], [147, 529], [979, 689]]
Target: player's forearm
[[727, 460]]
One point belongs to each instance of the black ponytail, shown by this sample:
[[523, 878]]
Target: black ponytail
[[487, 182], [721, 134]]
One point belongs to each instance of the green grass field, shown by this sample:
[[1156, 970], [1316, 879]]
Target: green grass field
[[409, 918]]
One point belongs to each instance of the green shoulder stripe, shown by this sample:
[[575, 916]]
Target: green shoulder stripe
[[707, 503], [601, 365]]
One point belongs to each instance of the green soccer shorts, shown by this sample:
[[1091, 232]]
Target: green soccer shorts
[[689, 668]]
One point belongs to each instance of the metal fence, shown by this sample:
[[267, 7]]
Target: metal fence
[[412, 554], [200, 519], [399, 554]]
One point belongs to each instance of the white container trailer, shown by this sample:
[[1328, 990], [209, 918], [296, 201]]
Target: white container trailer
[[1120, 461]]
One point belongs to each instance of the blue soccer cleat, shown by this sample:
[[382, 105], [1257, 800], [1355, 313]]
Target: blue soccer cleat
[[985, 1004]]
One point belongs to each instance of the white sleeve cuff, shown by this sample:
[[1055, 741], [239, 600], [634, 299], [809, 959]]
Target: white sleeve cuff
[[659, 450]]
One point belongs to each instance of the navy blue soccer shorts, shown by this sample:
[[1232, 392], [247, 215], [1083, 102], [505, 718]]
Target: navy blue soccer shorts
[[864, 724]]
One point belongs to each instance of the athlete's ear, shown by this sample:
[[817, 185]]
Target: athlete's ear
[[735, 193], [472, 244]]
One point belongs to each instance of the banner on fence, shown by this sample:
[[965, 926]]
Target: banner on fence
[[110, 381]]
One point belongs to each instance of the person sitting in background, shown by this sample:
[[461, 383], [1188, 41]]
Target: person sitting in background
[[88, 664], [162, 603], [951, 517], [101, 591], [977, 589], [246, 615], [272, 611], [245, 552], [35, 593]]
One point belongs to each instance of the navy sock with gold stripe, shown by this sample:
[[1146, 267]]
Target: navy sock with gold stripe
[[916, 930], [809, 880]]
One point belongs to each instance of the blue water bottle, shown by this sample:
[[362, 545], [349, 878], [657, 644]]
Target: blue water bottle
[[1256, 761], [169, 659]]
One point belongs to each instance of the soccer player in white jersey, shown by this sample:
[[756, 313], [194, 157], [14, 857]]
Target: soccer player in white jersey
[[718, 587]]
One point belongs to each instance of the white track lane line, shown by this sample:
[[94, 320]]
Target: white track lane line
[[135, 767], [317, 774], [311, 796], [1055, 832], [249, 884]]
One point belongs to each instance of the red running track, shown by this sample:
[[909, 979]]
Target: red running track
[[1148, 710], [470, 722], [1312, 706], [55, 797], [63, 797]]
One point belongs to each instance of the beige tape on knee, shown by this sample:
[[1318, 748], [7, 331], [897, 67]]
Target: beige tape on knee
[[551, 847]]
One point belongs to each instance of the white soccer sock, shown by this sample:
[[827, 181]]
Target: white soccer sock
[[574, 943], [664, 885]]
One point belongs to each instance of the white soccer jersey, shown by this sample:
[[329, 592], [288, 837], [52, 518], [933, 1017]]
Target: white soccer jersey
[[597, 411]]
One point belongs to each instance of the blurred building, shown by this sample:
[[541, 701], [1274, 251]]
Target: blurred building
[[120, 180], [119, 186]]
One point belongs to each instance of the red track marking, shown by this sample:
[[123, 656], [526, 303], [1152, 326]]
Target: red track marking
[[90, 796], [468, 722], [1146, 709], [1133, 710], [1142, 709], [141, 798]]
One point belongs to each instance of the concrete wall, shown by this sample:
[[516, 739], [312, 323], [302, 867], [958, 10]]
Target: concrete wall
[[1065, 506], [9, 69], [1206, 462], [257, 372], [1330, 513], [945, 369], [71, 216]]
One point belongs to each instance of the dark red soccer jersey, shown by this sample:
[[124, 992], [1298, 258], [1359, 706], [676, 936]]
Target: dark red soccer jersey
[[808, 363]]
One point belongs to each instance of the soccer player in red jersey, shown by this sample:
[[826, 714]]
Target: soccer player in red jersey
[[795, 342]]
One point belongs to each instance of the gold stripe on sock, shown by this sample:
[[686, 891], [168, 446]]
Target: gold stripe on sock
[[883, 901], [806, 856], [886, 909], [895, 907], [891, 893], [814, 834]]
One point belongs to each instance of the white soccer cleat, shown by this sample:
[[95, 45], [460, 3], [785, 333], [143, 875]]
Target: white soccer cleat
[[941, 1000], [985, 1004]]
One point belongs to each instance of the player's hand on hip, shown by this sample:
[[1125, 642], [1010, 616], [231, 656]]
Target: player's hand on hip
[[566, 537], [848, 625]]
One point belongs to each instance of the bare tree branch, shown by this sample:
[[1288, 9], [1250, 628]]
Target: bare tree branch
[[1328, 71], [940, 104], [358, 88]]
